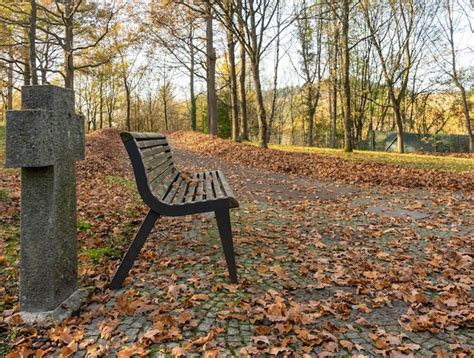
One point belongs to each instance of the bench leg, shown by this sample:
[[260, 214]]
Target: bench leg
[[225, 232], [134, 250]]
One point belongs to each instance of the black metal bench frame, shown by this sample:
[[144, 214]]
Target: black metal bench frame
[[167, 192]]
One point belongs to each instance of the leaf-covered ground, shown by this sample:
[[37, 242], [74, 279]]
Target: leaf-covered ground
[[331, 167], [335, 267]]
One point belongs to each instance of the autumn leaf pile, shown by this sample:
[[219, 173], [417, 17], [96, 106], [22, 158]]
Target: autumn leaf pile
[[313, 274], [323, 167]]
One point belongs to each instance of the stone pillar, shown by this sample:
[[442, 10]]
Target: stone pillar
[[45, 139]]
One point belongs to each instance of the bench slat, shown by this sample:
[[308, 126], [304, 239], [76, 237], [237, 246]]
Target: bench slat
[[151, 152], [157, 161], [200, 187], [157, 156], [139, 136], [182, 190], [191, 189], [227, 190], [207, 187], [162, 182], [157, 168], [152, 143], [157, 171], [216, 185], [174, 187]]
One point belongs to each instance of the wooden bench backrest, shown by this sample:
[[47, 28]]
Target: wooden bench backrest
[[155, 154]]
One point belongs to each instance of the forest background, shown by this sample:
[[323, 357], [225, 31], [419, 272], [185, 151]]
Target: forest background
[[302, 72]]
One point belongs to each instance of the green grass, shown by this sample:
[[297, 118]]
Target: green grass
[[420, 161], [2, 142], [96, 253], [116, 179]]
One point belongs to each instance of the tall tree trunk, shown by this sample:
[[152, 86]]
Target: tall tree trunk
[[211, 74], [233, 82], [275, 75], [398, 121], [334, 81], [101, 102], [128, 101], [26, 60], [255, 64], [10, 79], [262, 114], [348, 142], [193, 106], [310, 114], [242, 82], [165, 107], [68, 45], [467, 117], [32, 43]]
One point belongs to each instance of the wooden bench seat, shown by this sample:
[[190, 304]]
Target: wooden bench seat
[[169, 192]]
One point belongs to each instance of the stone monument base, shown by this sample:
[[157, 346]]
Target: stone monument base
[[56, 316]]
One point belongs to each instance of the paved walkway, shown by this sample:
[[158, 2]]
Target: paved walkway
[[325, 268]]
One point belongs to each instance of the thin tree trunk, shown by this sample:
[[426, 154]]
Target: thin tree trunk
[[262, 114], [399, 122], [465, 106], [10, 80], [334, 102], [101, 103], [211, 74], [68, 45], [193, 109], [255, 64], [234, 100], [242, 77], [32, 43], [165, 108], [310, 114], [127, 96], [26, 60], [348, 143]]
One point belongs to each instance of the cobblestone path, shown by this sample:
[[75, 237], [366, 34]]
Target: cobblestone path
[[274, 240]]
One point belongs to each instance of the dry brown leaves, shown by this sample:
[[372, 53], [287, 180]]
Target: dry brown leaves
[[320, 166]]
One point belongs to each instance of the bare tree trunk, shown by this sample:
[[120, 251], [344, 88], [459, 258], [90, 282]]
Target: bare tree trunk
[[128, 100], [262, 114], [32, 43], [165, 107], [275, 76], [193, 106], [243, 89], [211, 74], [455, 75], [334, 104], [101, 102], [399, 122], [68, 45], [348, 143], [465, 106], [311, 111], [255, 64], [10, 79], [232, 75], [26, 60]]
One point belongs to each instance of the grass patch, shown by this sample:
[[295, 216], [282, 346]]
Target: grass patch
[[97, 253], [116, 179], [420, 161], [4, 195], [2, 142], [83, 225]]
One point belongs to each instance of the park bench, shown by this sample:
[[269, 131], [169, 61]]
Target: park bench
[[169, 192]]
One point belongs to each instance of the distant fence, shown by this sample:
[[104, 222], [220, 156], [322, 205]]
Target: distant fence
[[439, 143], [387, 141]]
